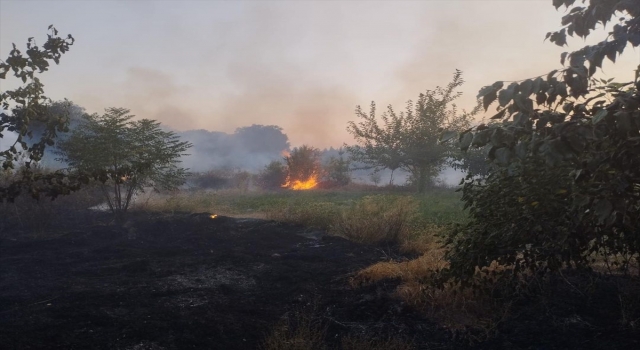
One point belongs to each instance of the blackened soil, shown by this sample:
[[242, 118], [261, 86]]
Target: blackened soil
[[186, 282]]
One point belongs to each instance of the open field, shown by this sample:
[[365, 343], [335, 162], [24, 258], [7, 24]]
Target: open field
[[283, 270], [440, 206]]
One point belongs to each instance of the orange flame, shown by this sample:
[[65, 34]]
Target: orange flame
[[213, 216], [307, 184]]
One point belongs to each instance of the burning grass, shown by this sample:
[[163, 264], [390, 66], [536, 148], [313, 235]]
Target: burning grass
[[302, 184]]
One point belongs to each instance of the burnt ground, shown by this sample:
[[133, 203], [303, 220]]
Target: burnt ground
[[186, 281], [183, 282]]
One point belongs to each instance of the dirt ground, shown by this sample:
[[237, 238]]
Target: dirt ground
[[187, 281]]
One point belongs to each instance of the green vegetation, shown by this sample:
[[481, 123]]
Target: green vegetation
[[28, 105], [441, 206], [410, 140], [565, 188], [124, 155]]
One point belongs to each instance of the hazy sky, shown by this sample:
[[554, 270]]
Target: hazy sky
[[304, 66]]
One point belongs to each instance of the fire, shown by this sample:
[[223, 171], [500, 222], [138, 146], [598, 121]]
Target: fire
[[307, 184], [285, 153], [213, 216]]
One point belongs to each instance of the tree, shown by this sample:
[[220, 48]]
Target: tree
[[125, 155], [379, 146], [565, 178], [410, 140], [273, 176], [303, 167], [21, 108], [337, 170], [261, 139], [375, 178]]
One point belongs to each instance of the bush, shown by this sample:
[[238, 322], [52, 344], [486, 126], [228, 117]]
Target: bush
[[124, 155], [212, 179], [26, 214], [377, 220], [319, 215], [273, 176]]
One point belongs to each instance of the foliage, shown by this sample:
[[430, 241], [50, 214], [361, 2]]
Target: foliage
[[410, 140], [375, 177], [125, 155], [473, 162], [377, 220], [337, 171], [29, 105], [379, 146], [273, 176], [565, 186], [212, 179], [303, 163], [261, 138]]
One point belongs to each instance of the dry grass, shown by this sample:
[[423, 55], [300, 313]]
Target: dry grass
[[298, 332], [303, 331], [319, 215], [377, 220], [471, 310], [361, 343]]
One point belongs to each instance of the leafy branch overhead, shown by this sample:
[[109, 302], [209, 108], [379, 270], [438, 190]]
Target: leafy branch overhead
[[566, 150], [26, 105]]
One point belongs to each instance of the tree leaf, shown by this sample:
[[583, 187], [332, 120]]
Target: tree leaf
[[480, 139], [505, 96], [601, 114], [448, 135], [489, 98], [603, 209], [503, 155], [500, 114], [465, 140]]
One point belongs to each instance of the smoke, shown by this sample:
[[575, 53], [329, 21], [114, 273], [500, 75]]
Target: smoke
[[249, 148]]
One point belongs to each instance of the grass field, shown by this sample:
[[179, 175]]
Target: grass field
[[439, 206]]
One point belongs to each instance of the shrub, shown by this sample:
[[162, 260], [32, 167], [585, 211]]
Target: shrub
[[320, 215], [212, 179], [377, 219], [273, 176], [124, 155], [300, 331]]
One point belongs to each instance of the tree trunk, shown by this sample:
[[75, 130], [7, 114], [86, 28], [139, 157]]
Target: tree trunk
[[391, 178], [422, 179]]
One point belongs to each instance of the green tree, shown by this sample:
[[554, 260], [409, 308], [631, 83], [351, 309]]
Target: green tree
[[379, 146], [337, 170], [125, 155], [303, 164], [26, 105], [565, 179], [410, 140], [273, 176]]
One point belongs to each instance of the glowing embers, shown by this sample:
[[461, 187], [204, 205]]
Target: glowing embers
[[307, 184]]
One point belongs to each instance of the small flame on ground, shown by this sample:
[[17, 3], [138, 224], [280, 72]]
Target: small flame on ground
[[213, 216], [307, 184]]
